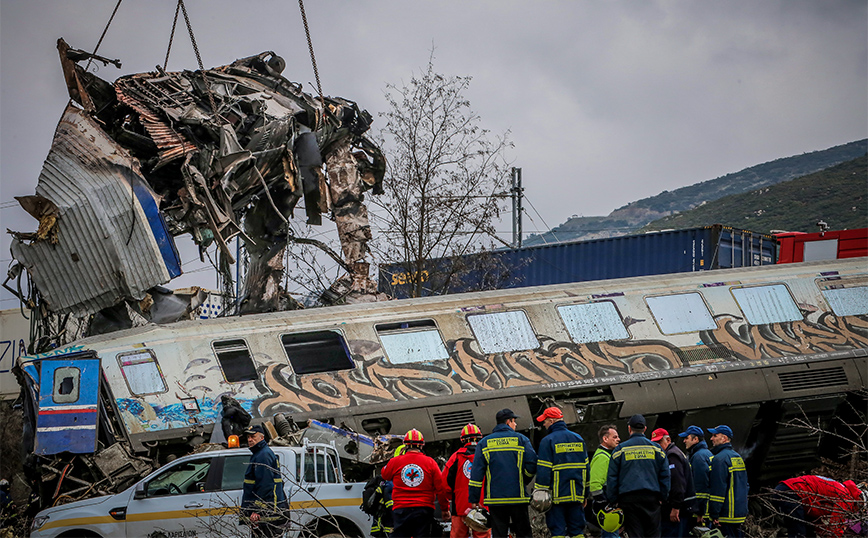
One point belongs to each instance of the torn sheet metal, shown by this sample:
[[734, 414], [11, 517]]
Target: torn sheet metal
[[111, 241], [222, 152]]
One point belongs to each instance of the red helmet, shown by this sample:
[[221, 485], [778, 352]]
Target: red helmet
[[470, 431], [414, 437]]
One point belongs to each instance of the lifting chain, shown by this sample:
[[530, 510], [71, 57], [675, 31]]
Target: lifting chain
[[312, 57], [98, 43]]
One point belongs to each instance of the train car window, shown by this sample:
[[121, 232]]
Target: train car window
[[66, 384], [320, 351], [235, 360], [848, 301], [499, 332], [412, 341], [766, 304], [593, 322], [142, 372], [681, 313]]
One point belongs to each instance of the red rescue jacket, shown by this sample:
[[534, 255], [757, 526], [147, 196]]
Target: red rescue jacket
[[457, 475], [416, 480], [827, 502]]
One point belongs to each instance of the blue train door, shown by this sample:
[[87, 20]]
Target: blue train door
[[68, 406]]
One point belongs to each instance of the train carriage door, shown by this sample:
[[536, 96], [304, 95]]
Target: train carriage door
[[68, 406]]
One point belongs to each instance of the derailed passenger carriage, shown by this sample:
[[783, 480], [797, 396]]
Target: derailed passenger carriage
[[753, 348]]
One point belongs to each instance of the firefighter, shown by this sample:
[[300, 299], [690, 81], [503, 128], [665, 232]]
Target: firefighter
[[457, 473], [504, 462], [416, 484], [728, 487], [562, 467]]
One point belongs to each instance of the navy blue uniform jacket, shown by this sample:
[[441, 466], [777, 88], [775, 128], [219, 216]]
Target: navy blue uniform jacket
[[505, 460], [563, 464], [638, 465], [727, 500], [263, 485]]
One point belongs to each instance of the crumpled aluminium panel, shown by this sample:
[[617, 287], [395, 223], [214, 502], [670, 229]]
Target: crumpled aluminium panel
[[111, 241], [221, 152]]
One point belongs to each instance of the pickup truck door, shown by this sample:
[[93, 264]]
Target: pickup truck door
[[173, 502], [322, 490]]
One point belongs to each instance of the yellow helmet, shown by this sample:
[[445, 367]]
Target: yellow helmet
[[610, 519]]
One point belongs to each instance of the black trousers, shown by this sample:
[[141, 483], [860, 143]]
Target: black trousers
[[412, 522], [789, 504], [641, 515], [509, 516]]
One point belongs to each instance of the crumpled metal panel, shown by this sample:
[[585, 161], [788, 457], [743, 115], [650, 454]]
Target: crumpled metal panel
[[112, 242]]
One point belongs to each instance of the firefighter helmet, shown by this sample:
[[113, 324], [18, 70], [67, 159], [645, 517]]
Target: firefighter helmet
[[471, 430], [414, 438], [610, 519]]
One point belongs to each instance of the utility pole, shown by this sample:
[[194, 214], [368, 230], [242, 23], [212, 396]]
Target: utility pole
[[517, 194]]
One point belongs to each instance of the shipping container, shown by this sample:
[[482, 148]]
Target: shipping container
[[672, 251], [828, 245]]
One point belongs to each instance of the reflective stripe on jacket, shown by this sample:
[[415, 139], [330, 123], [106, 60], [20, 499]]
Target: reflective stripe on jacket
[[505, 461], [727, 500], [638, 466], [263, 484], [562, 464]]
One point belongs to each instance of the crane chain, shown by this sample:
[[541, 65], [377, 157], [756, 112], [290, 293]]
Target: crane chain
[[98, 43], [199, 59], [172, 35], [312, 56]]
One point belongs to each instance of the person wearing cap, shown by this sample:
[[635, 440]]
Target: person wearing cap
[[457, 475], [819, 502], [504, 463], [700, 467], [562, 467], [728, 487], [416, 484], [673, 514], [263, 500], [638, 480], [609, 439]]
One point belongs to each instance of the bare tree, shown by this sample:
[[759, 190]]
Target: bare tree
[[443, 191]]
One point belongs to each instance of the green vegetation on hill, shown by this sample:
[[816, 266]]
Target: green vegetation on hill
[[837, 195], [633, 216]]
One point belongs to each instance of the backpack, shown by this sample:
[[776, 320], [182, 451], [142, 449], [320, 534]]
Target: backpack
[[372, 496]]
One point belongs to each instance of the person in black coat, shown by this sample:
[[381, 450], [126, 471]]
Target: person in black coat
[[674, 512]]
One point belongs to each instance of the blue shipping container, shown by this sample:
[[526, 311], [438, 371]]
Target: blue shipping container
[[674, 251]]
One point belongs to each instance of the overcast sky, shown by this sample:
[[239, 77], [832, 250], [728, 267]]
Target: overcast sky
[[607, 102]]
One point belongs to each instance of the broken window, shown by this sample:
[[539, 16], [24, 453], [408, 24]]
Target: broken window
[[503, 331], [412, 341], [66, 384], [681, 313], [848, 301], [766, 304], [593, 322], [320, 351], [142, 372], [235, 360]]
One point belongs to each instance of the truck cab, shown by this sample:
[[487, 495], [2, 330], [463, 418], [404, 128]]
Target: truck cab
[[198, 496]]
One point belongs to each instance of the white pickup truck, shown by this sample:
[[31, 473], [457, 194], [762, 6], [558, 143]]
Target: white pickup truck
[[196, 496]]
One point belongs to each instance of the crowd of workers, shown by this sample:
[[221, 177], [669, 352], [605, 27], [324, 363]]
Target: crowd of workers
[[641, 486]]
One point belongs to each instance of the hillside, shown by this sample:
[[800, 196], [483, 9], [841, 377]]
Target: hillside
[[633, 216], [837, 195]]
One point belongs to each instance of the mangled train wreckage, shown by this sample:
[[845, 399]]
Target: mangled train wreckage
[[756, 348], [215, 153]]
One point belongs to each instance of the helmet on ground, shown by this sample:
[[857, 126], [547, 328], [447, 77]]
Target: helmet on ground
[[610, 519], [471, 430], [541, 500], [414, 438], [477, 519]]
